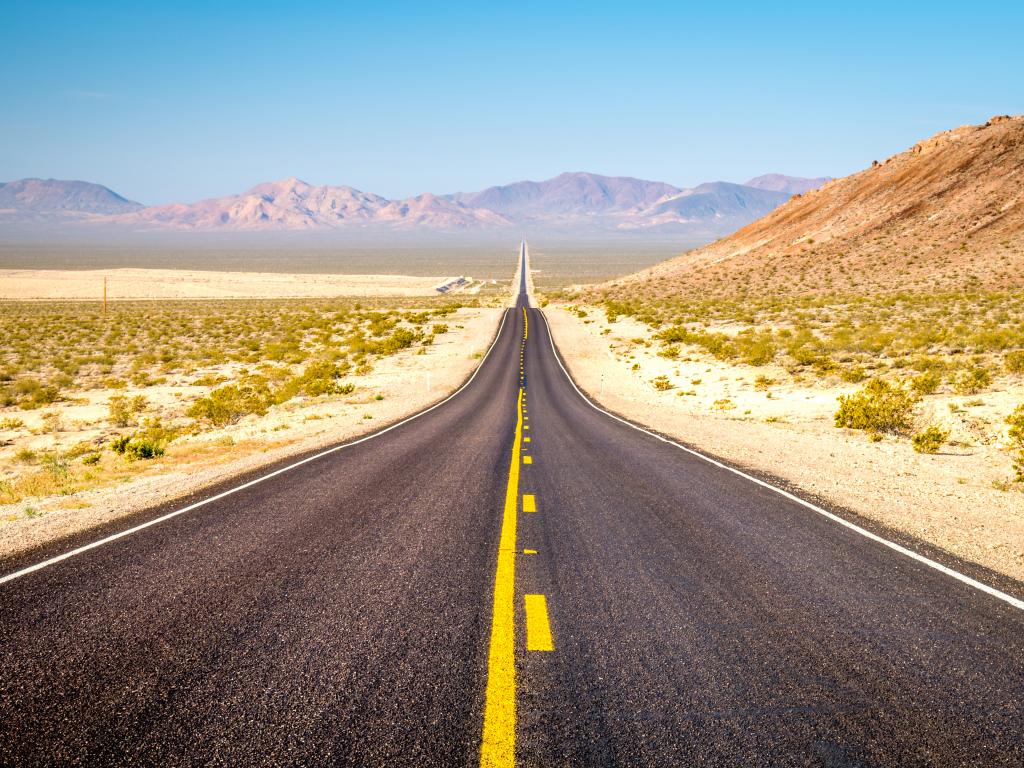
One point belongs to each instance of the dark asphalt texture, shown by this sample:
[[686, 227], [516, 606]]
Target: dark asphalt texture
[[339, 613]]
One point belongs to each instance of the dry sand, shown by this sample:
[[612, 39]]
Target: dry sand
[[408, 382], [195, 284], [948, 499]]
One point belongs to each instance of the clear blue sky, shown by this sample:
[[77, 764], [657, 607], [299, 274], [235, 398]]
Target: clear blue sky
[[177, 101]]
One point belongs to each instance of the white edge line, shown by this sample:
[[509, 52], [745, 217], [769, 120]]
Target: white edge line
[[163, 518], [1015, 602]]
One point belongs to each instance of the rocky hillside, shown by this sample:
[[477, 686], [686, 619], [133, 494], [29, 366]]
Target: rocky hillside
[[947, 214]]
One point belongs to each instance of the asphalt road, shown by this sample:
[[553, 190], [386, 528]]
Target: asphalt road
[[348, 612]]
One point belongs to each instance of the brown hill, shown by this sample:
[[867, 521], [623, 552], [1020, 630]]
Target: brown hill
[[947, 214]]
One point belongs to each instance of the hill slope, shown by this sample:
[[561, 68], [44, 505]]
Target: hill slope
[[31, 198], [947, 214]]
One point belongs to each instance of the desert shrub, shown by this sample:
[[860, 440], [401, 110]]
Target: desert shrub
[[122, 410], [228, 404], [879, 407], [1016, 435], [150, 443], [1014, 361], [926, 383], [31, 394], [209, 380], [763, 382], [52, 421], [755, 348], [854, 375], [25, 456], [662, 383], [671, 352], [440, 328], [144, 448], [321, 377], [11, 423], [973, 381], [930, 439]]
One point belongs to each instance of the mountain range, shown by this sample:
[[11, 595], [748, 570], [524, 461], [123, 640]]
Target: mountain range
[[568, 202], [945, 215]]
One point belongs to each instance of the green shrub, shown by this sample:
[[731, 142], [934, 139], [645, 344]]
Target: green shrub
[[122, 410], [879, 407], [1016, 435], [228, 404], [662, 384], [854, 375], [321, 377], [147, 444], [31, 394], [926, 383], [930, 440], [1014, 361], [973, 381]]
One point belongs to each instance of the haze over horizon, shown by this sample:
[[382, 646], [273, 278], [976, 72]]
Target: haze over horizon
[[162, 108]]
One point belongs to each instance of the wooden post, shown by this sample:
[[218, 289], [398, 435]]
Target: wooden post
[[104, 296]]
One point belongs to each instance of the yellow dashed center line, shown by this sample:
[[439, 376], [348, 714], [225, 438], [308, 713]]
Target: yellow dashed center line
[[538, 627], [527, 459], [529, 502], [498, 745], [529, 551]]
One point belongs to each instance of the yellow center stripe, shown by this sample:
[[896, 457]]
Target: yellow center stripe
[[538, 628], [498, 746], [529, 502]]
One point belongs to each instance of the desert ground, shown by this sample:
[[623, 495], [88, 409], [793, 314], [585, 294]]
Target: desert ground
[[127, 283], [778, 418], [104, 415]]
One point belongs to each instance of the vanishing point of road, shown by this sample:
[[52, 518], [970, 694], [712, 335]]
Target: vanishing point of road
[[511, 578]]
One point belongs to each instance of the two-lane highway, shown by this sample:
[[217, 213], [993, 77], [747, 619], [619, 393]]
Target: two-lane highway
[[511, 578]]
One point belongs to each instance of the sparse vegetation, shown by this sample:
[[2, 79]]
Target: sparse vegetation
[[216, 362]]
